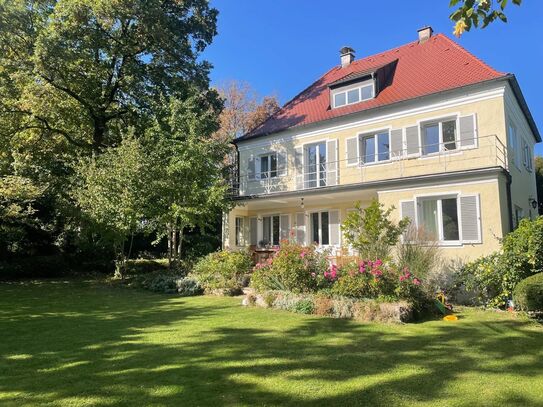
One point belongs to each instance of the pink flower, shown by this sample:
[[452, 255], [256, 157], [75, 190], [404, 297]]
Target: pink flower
[[378, 263], [416, 281], [325, 274], [362, 268], [302, 254], [377, 273], [402, 278]]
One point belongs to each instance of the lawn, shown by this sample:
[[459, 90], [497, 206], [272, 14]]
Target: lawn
[[84, 343]]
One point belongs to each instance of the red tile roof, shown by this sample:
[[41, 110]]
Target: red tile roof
[[422, 69]]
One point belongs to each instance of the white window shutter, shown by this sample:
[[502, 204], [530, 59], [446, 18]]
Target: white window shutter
[[282, 163], [253, 231], [257, 168], [300, 228], [396, 144], [468, 131], [351, 147], [331, 163], [334, 227], [412, 141], [408, 210], [470, 218], [251, 168], [299, 167], [284, 227]]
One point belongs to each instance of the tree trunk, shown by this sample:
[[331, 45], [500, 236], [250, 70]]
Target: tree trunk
[[174, 246], [169, 235], [180, 243]]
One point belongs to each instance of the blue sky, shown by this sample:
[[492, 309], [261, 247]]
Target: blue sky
[[281, 46]]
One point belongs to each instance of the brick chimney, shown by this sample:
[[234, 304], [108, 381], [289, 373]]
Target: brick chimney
[[424, 34], [347, 56]]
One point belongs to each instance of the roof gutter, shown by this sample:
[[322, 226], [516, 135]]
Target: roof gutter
[[509, 77]]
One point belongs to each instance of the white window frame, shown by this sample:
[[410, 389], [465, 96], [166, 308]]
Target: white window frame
[[514, 144], [441, 146], [373, 134], [269, 171], [348, 89], [269, 238], [239, 231], [440, 238], [320, 227], [305, 162]]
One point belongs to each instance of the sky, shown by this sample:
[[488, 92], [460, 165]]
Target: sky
[[281, 46]]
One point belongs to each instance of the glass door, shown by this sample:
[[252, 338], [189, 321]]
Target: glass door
[[315, 175]]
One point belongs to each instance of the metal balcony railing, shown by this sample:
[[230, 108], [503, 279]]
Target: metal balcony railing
[[488, 151]]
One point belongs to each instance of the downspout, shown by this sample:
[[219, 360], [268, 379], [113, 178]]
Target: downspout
[[509, 200]]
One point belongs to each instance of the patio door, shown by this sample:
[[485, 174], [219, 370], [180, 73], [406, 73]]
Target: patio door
[[315, 158]]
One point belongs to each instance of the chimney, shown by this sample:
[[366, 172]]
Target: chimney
[[424, 34], [347, 56]]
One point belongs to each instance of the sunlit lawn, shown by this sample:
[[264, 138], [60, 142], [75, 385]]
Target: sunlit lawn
[[81, 343]]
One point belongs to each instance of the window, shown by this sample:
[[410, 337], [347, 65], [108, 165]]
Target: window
[[439, 136], [513, 146], [270, 228], [239, 231], [527, 157], [519, 214], [353, 95], [268, 166], [375, 148], [315, 174], [320, 231], [439, 218]]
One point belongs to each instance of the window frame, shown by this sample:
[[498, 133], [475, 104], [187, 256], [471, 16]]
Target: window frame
[[319, 174], [311, 229], [345, 91], [441, 144], [439, 208], [514, 148], [269, 238], [269, 171], [239, 231], [375, 134]]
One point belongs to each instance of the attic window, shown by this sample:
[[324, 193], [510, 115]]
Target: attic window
[[354, 93]]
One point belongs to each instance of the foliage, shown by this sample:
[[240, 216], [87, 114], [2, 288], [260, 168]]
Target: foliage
[[528, 294], [222, 270], [371, 232], [472, 13], [418, 251], [170, 283], [539, 181], [17, 212], [113, 193], [35, 267], [144, 266], [304, 306], [293, 268]]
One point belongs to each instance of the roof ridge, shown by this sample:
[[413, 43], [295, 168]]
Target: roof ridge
[[477, 59]]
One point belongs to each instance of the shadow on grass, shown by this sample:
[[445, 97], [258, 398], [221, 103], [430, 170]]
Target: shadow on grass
[[89, 344]]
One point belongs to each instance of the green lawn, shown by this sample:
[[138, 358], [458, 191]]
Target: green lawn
[[76, 343]]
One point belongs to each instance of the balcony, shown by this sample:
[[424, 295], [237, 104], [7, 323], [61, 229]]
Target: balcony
[[489, 152]]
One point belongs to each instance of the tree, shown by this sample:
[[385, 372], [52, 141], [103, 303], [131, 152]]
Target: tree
[[472, 13], [84, 69], [188, 187], [243, 109], [113, 192], [371, 232], [539, 181]]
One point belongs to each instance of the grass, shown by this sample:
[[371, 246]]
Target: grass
[[84, 343]]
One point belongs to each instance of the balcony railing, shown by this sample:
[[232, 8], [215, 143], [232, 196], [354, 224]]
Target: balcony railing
[[489, 151]]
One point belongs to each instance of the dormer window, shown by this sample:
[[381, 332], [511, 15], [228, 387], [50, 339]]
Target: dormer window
[[354, 93]]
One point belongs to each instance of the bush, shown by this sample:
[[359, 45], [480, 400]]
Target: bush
[[528, 294], [304, 306], [224, 270], [293, 268], [142, 266], [419, 251], [367, 279], [188, 287]]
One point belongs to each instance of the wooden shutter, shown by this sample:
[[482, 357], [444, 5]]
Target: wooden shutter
[[253, 231], [281, 163], [284, 226], [412, 140], [252, 169], [331, 163], [351, 148], [300, 228], [470, 219], [299, 167], [396, 144], [333, 221], [468, 131]]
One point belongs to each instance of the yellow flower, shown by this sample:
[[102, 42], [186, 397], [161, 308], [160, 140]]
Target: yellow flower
[[459, 28]]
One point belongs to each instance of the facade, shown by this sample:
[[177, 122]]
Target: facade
[[427, 128]]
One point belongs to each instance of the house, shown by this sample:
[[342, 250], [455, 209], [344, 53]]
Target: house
[[426, 127]]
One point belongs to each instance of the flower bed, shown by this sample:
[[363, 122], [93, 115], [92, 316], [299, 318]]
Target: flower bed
[[333, 306]]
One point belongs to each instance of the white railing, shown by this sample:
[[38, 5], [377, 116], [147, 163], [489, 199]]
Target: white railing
[[488, 151]]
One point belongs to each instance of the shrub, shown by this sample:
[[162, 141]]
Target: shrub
[[293, 268], [188, 287], [304, 306], [371, 232], [224, 270], [142, 266], [528, 294], [419, 251], [367, 279]]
